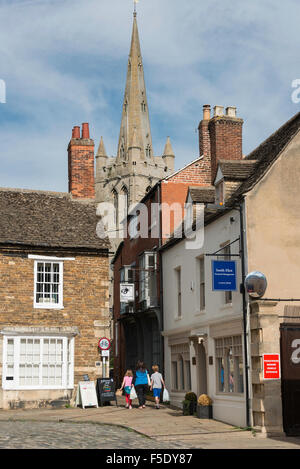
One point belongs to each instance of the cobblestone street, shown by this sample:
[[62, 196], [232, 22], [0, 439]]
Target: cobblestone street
[[113, 427], [52, 435]]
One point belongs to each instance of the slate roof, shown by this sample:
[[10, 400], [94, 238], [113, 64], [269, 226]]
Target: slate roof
[[234, 170], [48, 219], [266, 154]]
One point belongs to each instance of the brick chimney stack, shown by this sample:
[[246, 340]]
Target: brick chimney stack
[[225, 136], [220, 136], [81, 164]]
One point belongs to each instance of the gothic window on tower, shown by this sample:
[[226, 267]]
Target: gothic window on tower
[[143, 105], [116, 206], [124, 201], [122, 152], [148, 151]]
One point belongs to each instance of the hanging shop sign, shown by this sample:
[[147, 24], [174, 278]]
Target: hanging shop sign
[[104, 343], [126, 292], [224, 275], [271, 366]]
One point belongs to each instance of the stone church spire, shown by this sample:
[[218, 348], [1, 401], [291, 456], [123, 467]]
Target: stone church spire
[[135, 114]]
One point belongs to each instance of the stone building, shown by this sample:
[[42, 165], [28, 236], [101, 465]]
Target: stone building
[[54, 296]]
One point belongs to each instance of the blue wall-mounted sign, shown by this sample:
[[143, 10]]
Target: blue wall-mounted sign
[[223, 275]]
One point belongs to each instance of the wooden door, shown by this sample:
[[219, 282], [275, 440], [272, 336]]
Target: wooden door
[[290, 377]]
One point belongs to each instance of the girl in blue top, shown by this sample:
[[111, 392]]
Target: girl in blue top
[[141, 382]]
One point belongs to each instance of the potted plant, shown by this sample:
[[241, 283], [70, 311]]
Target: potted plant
[[189, 404], [204, 407]]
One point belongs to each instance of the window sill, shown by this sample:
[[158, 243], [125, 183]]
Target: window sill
[[226, 306], [202, 312], [47, 306], [36, 388], [229, 394]]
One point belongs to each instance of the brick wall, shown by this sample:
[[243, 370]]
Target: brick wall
[[225, 140], [81, 168]]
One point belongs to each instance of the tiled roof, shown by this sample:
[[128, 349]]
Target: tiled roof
[[48, 219], [202, 194], [266, 153], [234, 170]]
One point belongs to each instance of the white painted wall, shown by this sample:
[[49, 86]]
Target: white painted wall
[[227, 408]]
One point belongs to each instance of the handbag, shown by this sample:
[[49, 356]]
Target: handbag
[[132, 394], [119, 392], [166, 397]]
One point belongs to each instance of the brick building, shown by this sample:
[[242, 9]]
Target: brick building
[[54, 296]]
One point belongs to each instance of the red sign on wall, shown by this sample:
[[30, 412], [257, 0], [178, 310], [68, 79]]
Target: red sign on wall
[[271, 366]]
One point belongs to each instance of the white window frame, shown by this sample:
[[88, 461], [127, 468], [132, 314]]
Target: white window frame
[[68, 353], [144, 278], [58, 305]]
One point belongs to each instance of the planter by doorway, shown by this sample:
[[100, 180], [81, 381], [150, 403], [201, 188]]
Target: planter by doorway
[[204, 412]]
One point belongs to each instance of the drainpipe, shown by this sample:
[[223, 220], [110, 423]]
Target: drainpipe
[[161, 297], [243, 268]]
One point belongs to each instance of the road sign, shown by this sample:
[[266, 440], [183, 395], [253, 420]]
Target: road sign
[[271, 366], [223, 275], [104, 343]]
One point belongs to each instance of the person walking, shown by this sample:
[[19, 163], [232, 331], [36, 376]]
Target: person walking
[[156, 384], [127, 382], [141, 381]]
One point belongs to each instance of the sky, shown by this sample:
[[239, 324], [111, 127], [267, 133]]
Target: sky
[[64, 62]]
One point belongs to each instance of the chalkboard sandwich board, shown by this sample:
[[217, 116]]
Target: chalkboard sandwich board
[[106, 391]]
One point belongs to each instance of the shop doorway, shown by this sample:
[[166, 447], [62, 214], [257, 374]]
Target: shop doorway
[[290, 377], [201, 370]]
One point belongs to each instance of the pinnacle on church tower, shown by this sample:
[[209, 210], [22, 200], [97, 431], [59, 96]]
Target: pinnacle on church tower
[[101, 149], [135, 114]]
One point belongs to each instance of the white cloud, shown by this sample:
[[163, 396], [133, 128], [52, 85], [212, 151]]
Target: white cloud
[[64, 62]]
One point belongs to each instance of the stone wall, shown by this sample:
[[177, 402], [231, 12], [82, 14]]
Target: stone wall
[[85, 311]]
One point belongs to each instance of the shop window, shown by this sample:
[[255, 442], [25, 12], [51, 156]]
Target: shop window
[[229, 365], [38, 362]]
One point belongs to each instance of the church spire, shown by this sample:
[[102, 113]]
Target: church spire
[[135, 114]]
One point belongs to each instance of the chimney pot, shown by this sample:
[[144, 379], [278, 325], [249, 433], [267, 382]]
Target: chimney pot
[[231, 111], [206, 112], [218, 111], [76, 132], [85, 130]]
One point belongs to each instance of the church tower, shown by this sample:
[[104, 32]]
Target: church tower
[[135, 169]]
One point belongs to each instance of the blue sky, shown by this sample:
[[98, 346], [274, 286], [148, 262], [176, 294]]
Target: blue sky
[[64, 62]]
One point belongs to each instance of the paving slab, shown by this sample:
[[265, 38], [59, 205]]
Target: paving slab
[[165, 428]]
